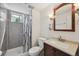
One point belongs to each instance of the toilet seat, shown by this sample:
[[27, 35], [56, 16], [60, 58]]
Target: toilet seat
[[34, 50]]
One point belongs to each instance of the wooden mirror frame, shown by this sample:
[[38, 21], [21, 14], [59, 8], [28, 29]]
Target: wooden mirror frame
[[73, 17]]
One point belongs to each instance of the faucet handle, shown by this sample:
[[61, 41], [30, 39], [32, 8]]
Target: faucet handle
[[60, 37]]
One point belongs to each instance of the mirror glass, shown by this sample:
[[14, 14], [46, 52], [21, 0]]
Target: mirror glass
[[63, 18]]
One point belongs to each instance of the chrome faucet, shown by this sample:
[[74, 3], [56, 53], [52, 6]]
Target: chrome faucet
[[60, 38]]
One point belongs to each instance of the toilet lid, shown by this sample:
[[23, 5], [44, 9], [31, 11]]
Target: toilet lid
[[34, 49]]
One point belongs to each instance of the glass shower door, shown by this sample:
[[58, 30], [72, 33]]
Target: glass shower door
[[15, 30]]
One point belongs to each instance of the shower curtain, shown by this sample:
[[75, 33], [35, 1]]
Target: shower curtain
[[28, 29]]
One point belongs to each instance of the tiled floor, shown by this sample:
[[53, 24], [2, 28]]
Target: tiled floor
[[14, 51], [19, 52], [22, 54], [42, 53], [25, 54]]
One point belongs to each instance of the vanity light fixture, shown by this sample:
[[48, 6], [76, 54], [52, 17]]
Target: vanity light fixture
[[77, 11], [76, 6], [51, 16]]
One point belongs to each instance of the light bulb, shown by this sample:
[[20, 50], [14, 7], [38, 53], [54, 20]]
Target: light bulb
[[51, 16], [76, 6]]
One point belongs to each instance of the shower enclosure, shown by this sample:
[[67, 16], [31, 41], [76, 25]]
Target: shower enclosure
[[17, 32]]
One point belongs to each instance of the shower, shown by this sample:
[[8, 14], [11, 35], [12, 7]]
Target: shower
[[17, 33]]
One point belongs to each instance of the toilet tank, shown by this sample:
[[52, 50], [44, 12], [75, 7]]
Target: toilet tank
[[41, 42]]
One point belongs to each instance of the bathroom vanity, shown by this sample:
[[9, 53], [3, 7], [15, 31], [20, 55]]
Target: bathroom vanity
[[51, 51], [57, 48]]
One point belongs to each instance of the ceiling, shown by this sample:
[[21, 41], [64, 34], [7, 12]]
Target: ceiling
[[41, 6], [38, 6]]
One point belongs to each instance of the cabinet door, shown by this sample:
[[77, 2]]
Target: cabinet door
[[51, 51], [60, 53], [48, 50]]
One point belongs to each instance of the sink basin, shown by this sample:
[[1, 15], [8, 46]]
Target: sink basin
[[60, 44]]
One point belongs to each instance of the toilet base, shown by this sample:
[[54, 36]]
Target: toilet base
[[35, 51]]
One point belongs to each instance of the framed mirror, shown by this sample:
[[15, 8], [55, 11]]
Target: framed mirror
[[64, 17]]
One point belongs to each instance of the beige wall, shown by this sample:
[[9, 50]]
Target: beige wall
[[44, 27], [35, 26]]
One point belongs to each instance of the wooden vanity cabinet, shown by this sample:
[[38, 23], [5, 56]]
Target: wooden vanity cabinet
[[51, 51], [77, 52], [48, 50], [60, 53]]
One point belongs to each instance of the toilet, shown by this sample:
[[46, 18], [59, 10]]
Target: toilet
[[0, 53], [35, 51]]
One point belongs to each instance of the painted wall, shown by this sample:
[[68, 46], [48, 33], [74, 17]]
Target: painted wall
[[44, 27], [35, 26]]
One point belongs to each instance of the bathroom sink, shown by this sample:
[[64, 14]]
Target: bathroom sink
[[60, 44]]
